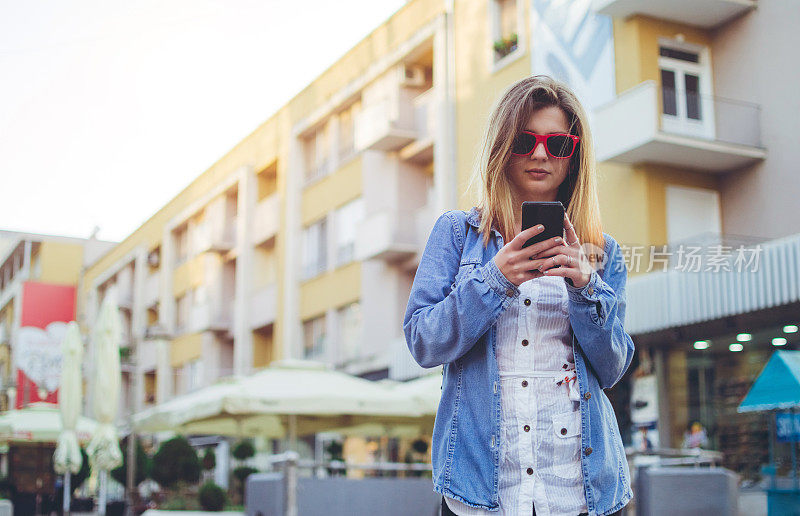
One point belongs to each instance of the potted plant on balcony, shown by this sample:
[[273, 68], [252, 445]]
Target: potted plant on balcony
[[505, 46]]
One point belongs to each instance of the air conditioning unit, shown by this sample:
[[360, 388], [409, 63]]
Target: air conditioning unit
[[412, 76], [154, 258]]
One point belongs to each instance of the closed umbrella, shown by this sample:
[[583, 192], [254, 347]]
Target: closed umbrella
[[104, 453], [67, 458]]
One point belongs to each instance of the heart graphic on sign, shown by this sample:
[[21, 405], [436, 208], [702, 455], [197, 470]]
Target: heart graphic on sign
[[38, 354]]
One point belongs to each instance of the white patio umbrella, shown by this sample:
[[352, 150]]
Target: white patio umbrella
[[104, 453], [67, 457], [40, 422]]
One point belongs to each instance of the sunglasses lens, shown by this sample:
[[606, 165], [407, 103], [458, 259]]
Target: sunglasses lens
[[523, 143], [560, 146]]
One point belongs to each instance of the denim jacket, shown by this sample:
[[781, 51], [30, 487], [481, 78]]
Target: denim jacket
[[456, 298]]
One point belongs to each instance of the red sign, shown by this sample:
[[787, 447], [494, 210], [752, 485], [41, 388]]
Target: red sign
[[46, 310]]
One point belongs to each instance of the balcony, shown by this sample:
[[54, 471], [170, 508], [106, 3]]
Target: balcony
[[631, 129], [394, 235], [385, 125], [210, 316], [263, 306], [268, 219], [420, 151], [699, 13], [216, 237], [152, 290]]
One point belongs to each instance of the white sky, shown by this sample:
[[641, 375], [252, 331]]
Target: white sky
[[109, 108]]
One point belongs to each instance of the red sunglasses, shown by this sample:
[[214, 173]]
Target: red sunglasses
[[557, 145]]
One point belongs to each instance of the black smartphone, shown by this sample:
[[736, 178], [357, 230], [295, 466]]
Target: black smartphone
[[550, 214]]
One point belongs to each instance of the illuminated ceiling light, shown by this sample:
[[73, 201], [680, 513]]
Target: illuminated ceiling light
[[790, 328], [701, 344], [736, 347], [778, 341], [744, 337]]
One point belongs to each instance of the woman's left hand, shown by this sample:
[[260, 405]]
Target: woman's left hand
[[570, 256]]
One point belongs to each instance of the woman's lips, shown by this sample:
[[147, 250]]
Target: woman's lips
[[537, 173]]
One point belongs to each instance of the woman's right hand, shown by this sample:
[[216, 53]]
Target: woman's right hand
[[518, 264]]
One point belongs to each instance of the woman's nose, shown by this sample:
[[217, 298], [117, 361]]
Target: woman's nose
[[539, 152]]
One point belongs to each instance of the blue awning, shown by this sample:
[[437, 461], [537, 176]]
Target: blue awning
[[778, 385]]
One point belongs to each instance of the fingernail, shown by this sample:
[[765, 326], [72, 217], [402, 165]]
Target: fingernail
[[557, 240], [540, 226]]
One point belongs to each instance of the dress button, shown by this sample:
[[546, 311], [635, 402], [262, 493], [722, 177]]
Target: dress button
[[587, 396], [524, 342], [563, 431], [524, 383], [510, 292], [527, 302], [591, 291], [588, 451], [529, 471], [527, 428]]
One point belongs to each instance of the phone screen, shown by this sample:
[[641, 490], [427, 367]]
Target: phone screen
[[550, 214]]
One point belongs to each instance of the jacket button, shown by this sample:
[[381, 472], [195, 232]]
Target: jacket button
[[529, 471], [527, 302], [524, 342], [588, 451], [563, 431], [587, 396], [524, 383], [509, 292], [527, 428]]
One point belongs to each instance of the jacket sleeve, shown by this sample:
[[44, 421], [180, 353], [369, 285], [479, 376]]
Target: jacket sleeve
[[597, 316], [451, 304]]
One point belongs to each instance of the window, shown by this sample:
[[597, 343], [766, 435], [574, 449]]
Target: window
[[347, 132], [348, 339], [314, 338], [181, 244], [182, 309], [505, 31], [315, 247], [687, 106], [347, 218], [317, 153]]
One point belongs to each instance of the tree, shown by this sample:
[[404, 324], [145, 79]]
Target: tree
[[209, 459], [143, 464], [244, 449], [175, 461]]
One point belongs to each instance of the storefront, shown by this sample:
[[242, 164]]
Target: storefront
[[701, 341]]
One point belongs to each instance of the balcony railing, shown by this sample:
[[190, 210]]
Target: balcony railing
[[267, 220], [386, 125], [388, 235], [220, 237], [421, 150], [263, 306], [699, 13], [210, 316], [152, 289], [714, 135]]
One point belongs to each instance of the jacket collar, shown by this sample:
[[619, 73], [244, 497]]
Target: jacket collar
[[474, 220]]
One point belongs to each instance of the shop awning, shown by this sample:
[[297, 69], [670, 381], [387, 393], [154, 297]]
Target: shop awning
[[673, 298], [778, 385]]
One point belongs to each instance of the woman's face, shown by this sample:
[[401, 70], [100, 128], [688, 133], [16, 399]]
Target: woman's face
[[537, 176]]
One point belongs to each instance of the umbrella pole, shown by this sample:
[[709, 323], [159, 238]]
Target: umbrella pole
[[67, 491], [101, 510]]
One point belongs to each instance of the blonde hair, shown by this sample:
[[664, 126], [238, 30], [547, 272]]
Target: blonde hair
[[578, 192]]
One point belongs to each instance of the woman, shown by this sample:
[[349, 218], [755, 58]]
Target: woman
[[529, 336]]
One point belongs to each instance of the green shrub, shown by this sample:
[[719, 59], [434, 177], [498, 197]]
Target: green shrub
[[143, 464], [212, 497], [244, 449], [241, 473], [209, 459], [176, 461]]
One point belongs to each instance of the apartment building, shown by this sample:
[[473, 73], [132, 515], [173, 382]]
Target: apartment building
[[697, 145], [39, 276]]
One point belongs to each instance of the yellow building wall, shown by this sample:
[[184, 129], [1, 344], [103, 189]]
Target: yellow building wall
[[330, 290], [477, 87], [636, 47], [189, 274], [61, 263], [185, 348], [334, 190], [262, 349]]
